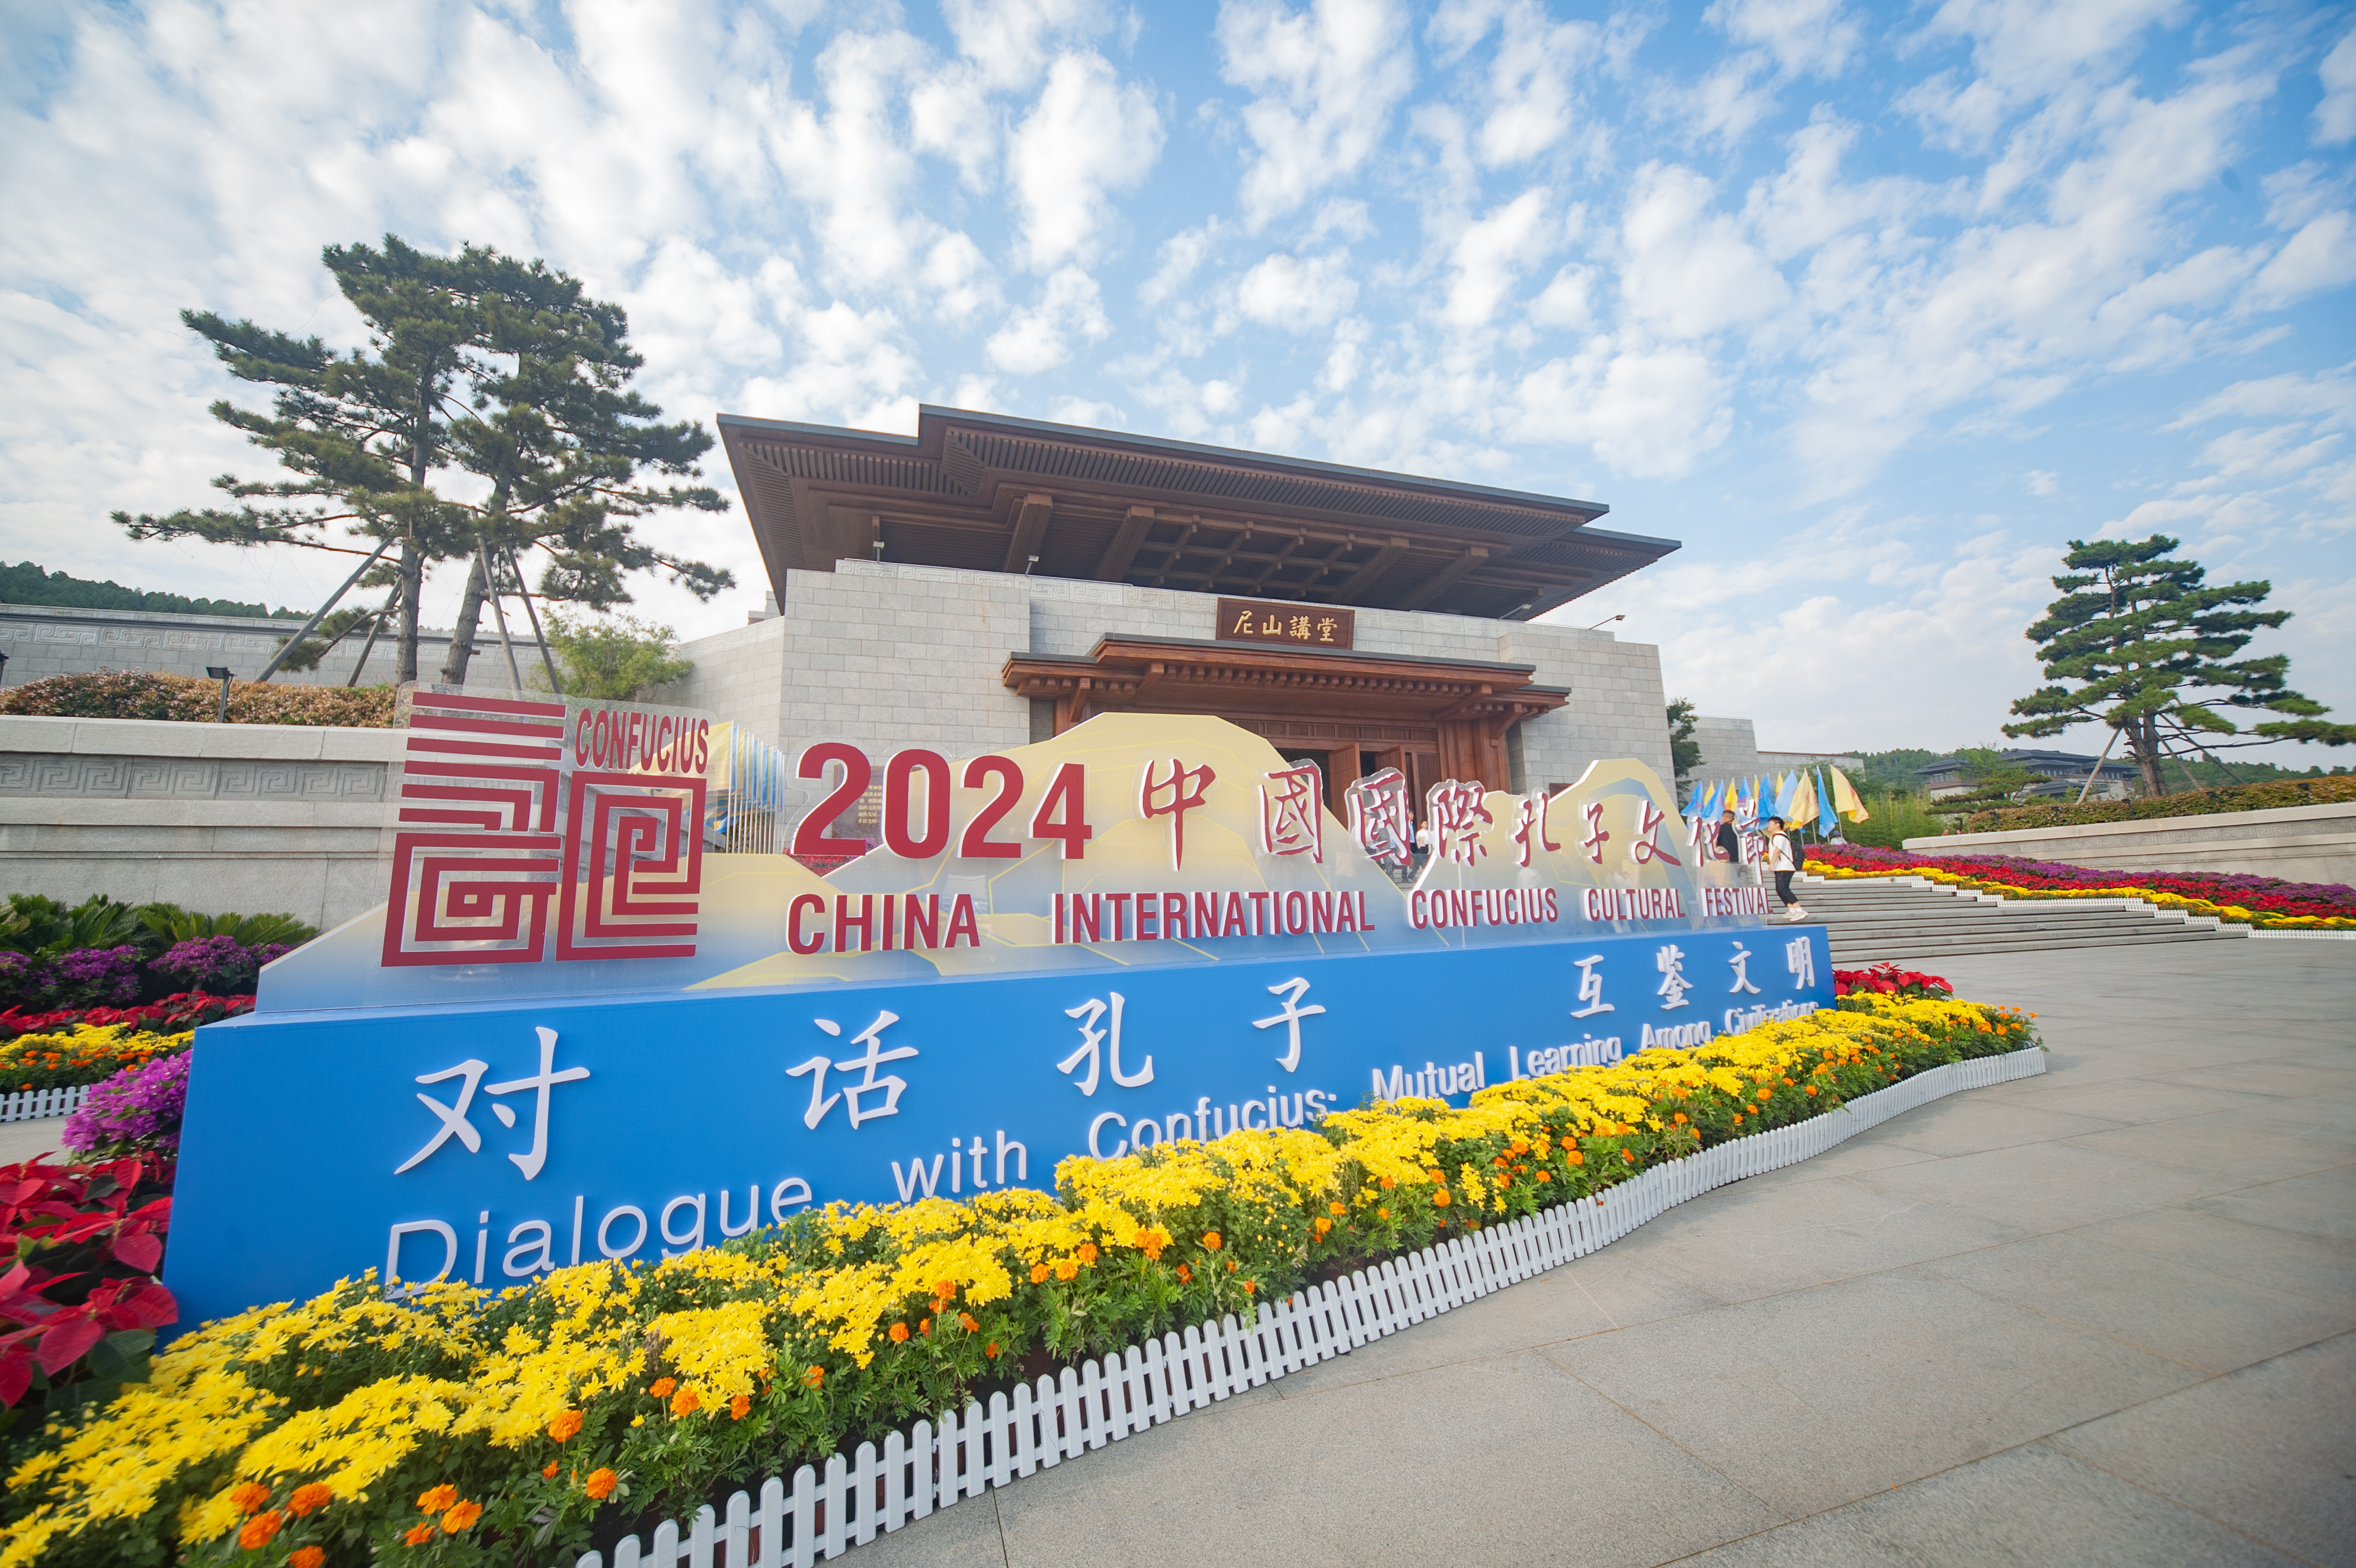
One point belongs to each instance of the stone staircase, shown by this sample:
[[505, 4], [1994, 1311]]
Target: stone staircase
[[1911, 921]]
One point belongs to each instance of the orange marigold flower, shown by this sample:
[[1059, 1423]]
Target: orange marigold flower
[[663, 1387], [1627, 1157], [1068, 1269], [462, 1517], [686, 1404], [309, 1498], [1233, 1265], [1382, 1213], [549, 1471], [305, 1557], [601, 1484], [1498, 1161], [440, 1497], [1038, 1273], [1441, 1199], [258, 1531], [1545, 1176], [899, 1333], [968, 1321], [945, 1289], [418, 1536], [815, 1376], [1087, 1251], [1184, 1273], [1679, 1118], [1212, 1240], [248, 1497], [1519, 1146], [565, 1426], [1575, 1158], [1337, 1208], [1249, 1288], [926, 1327], [990, 1349], [740, 1407], [1387, 1184], [1323, 1225]]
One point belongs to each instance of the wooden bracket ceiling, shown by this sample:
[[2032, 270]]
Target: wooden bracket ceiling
[[1030, 528]]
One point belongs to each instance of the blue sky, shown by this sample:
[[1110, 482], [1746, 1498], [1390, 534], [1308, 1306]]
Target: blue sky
[[1873, 307]]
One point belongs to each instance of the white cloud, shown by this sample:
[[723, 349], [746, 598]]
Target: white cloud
[[1176, 262], [1690, 272], [1088, 136], [1038, 338], [1527, 104], [1492, 255], [1647, 412], [1813, 36], [2335, 117], [2042, 481], [1010, 41], [2022, 51], [1326, 79], [2321, 256], [1295, 293]]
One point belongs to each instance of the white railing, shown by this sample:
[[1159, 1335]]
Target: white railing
[[934, 1464], [32, 1104]]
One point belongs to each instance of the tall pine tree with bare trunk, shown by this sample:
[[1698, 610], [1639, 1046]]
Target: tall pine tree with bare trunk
[[2140, 641], [476, 364]]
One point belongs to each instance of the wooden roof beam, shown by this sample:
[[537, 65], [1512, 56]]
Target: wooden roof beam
[[1359, 581], [1438, 583], [1114, 564], [1030, 528]]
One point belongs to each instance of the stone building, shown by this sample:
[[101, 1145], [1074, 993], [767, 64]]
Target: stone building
[[991, 581]]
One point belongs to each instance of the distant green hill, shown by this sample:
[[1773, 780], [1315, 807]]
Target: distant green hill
[[27, 583]]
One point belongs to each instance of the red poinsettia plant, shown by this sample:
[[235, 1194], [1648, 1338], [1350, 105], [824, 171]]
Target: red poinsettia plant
[[181, 1010], [88, 1242], [1889, 981]]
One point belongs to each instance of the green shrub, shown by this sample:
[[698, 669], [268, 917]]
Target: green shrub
[[146, 695], [177, 925], [2192, 803], [1893, 819]]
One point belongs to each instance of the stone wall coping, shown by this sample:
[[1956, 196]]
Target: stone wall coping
[[1951, 843], [165, 737], [116, 811]]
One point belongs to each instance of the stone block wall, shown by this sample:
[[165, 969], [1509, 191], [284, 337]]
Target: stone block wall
[[251, 818], [881, 653], [41, 641]]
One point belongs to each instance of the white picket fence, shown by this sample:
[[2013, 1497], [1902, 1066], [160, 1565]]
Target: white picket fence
[[934, 1464], [32, 1104]]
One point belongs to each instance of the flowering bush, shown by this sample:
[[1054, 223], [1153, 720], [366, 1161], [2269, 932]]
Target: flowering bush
[[181, 1011], [88, 1053], [219, 964], [1889, 980], [459, 1426], [144, 694], [2262, 901], [136, 1111], [87, 1242]]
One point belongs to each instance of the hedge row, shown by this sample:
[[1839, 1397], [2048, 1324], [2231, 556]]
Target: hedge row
[[2263, 797], [146, 695]]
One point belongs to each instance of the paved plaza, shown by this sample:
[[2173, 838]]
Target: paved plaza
[[2099, 1316]]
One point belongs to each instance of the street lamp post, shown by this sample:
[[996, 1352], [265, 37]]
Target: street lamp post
[[220, 673]]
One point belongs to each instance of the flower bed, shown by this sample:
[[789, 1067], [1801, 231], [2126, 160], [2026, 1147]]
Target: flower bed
[[180, 1011], [2262, 901], [86, 1054], [461, 1423], [2269, 796]]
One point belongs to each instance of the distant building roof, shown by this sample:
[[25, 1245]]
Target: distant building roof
[[2073, 764], [986, 492]]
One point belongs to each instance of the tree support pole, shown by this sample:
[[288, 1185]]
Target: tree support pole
[[2089, 785], [554, 684], [312, 624], [376, 630], [499, 614]]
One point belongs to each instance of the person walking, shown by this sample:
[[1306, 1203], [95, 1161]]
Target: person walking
[[1783, 860]]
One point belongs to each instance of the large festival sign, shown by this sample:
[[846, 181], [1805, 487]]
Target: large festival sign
[[576, 1030]]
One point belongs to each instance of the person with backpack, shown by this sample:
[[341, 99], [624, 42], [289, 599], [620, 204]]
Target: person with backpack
[[1783, 860]]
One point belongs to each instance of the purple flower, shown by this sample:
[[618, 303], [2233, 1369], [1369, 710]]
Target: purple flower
[[137, 1110], [95, 977], [22, 978], [218, 965]]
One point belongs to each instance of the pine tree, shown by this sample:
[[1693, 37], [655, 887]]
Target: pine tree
[[2137, 641], [368, 436], [1684, 752]]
